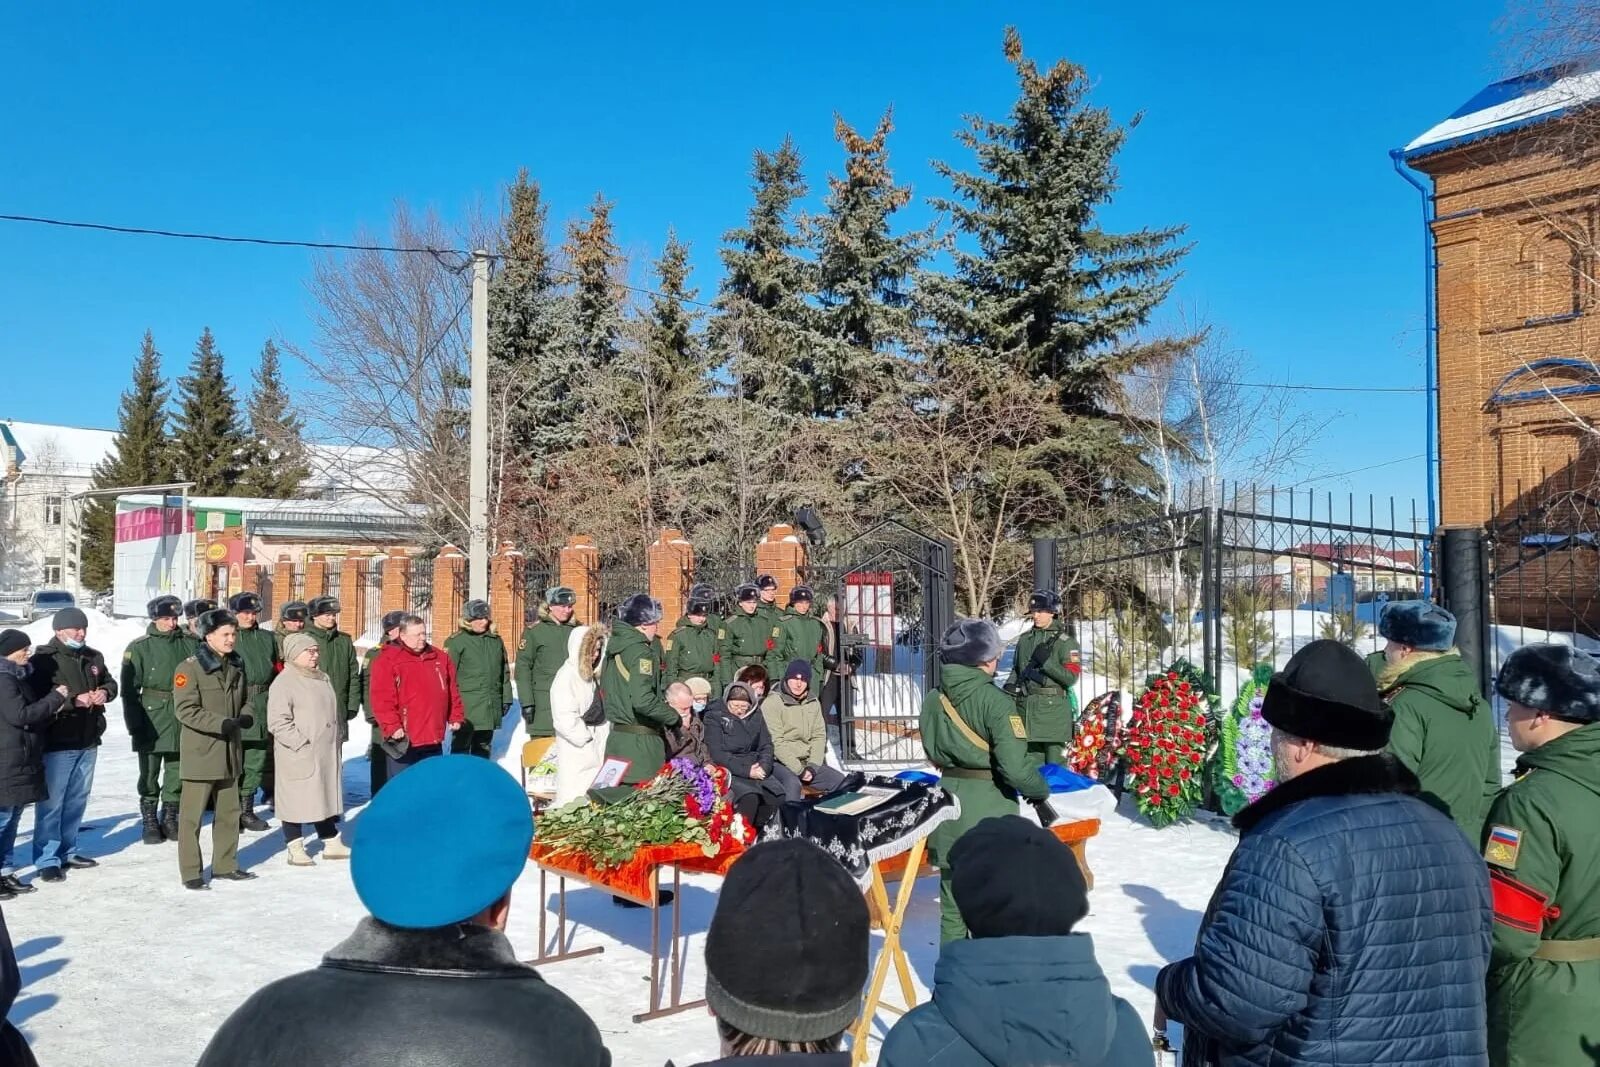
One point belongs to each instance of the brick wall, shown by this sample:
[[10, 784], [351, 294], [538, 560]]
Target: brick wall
[[671, 565]]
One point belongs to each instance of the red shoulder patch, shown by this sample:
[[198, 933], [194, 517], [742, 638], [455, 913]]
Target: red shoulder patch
[[180, 680]]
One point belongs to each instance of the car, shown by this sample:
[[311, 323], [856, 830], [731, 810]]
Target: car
[[46, 602]]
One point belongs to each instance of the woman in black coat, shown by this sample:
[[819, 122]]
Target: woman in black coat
[[738, 739], [23, 723]]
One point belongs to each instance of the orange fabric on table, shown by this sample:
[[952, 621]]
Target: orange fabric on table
[[1068, 833], [633, 877]]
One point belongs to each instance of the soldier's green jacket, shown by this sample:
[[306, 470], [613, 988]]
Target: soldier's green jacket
[[771, 612], [1046, 708], [259, 651], [338, 662], [277, 639], [633, 705], [799, 637], [366, 688], [1546, 1012], [695, 652], [541, 653], [1444, 731], [992, 716], [148, 667], [752, 638], [482, 674], [209, 688]]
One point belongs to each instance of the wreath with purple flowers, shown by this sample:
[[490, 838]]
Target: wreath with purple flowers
[[1244, 769]]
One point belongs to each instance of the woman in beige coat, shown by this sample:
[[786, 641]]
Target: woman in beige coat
[[580, 747], [303, 715]]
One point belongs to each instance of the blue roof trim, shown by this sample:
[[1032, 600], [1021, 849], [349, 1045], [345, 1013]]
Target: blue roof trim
[[1481, 135], [1523, 84]]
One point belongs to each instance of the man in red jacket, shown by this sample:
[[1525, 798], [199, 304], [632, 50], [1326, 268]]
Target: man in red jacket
[[414, 697]]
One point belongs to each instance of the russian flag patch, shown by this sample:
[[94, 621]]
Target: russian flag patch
[[1503, 845]]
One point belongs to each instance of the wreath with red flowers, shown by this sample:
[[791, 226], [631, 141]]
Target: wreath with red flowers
[[1097, 739], [1168, 738]]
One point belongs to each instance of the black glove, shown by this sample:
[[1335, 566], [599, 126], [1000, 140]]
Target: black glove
[[246, 720], [1035, 675], [1047, 814], [230, 729]]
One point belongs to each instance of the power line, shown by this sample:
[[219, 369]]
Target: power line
[[1275, 385]]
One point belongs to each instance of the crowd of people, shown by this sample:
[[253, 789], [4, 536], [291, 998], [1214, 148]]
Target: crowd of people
[[1388, 901]]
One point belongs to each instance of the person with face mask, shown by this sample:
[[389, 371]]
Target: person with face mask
[[1542, 843], [24, 720], [699, 694], [148, 666], [1444, 730], [1352, 923], [72, 743]]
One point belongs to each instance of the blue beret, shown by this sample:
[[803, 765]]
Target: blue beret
[[417, 865]]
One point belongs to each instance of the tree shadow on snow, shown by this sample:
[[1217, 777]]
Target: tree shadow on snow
[[35, 945], [1170, 926], [592, 909], [32, 1004], [29, 1006], [109, 835]]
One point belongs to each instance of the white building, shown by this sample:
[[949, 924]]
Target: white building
[[43, 467]]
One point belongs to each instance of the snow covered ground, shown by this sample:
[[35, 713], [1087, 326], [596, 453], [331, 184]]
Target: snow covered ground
[[122, 965]]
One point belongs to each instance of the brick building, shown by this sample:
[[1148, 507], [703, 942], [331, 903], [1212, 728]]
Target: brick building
[[1515, 194]]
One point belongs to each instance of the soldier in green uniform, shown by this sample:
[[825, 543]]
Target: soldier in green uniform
[[338, 659], [703, 592], [695, 648], [972, 732], [259, 651], [1542, 844], [192, 610], [801, 635], [752, 636], [631, 696], [212, 705], [148, 667], [1444, 730], [767, 592], [1043, 673], [540, 654], [483, 675], [377, 765], [291, 620]]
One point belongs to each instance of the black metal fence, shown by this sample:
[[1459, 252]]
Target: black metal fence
[[1544, 559]]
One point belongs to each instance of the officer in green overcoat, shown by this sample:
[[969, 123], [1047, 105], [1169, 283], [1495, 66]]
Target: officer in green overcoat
[[540, 654], [1045, 669], [337, 659], [483, 674], [631, 696], [212, 705], [292, 618], [1542, 843], [259, 651], [695, 648], [752, 635], [148, 667], [973, 734], [801, 635], [767, 592], [377, 765], [1444, 730]]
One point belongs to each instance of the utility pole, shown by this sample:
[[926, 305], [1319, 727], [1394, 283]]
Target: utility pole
[[478, 515]]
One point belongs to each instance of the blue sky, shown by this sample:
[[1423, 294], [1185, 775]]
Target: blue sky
[[1266, 129]]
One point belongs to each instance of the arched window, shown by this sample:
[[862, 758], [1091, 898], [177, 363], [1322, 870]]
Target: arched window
[[1553, 281], [1546, 379]]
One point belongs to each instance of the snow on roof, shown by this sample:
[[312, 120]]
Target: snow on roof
[[261, 508], [67, 450], [1506, 105]]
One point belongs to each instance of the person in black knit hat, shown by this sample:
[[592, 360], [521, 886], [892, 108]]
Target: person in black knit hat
[[1021, 895], [799, 1004]]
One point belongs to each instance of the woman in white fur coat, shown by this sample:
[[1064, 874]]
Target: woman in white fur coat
[[580, 748]]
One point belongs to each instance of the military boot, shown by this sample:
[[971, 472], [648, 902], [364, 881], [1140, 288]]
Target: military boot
[[151, 826], [248, 819], [169, 822]]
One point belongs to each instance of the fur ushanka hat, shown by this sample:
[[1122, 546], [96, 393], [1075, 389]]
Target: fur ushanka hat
[[1555, 679]]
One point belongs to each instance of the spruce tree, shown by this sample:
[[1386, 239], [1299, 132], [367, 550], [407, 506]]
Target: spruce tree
[[207, 437], [276, 457], [1039, 283], [530, 335], [143, 456], [597, 298], [863, 273], [764, 329]]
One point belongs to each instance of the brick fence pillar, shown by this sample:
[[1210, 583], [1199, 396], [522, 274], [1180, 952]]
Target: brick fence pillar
[[253, 579], [782, 554], [671, 568], [579, 568], [507, 595], [316, 576], [396, 569], [449, 570], [282, 583], [352, 584]]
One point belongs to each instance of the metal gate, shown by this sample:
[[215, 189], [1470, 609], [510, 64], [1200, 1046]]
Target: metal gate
[[895, 596]]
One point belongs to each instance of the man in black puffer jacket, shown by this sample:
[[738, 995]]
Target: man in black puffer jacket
[[1353, 922], [24, 720], [430, 978]]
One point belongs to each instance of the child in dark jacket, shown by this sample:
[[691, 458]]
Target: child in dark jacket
[[1023, 989]]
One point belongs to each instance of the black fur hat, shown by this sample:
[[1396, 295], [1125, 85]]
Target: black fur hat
[[1420, 624], [165, 607], [294, 611], [1044, 600], [391, 620], [1325, 693], [766, 581], [746, 593], [801, 592], [1556, 679], [970, 642], [640, 609], [698, 606], [245, 602], [702, 591], [323, 605], [214, 619], [475, 609], [196, 608]]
